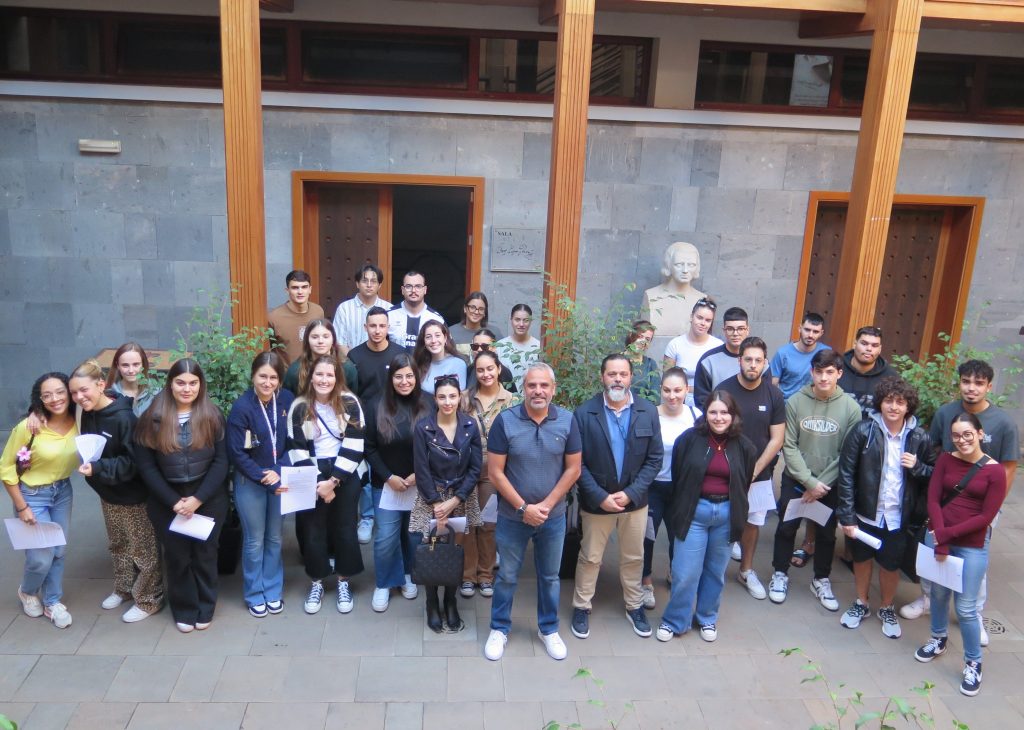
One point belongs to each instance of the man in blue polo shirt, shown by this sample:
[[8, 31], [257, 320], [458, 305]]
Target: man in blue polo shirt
[[533, 458]]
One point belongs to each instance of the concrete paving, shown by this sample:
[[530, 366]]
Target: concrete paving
[[370, 670]]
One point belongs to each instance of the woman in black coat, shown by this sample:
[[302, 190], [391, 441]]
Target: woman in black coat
[[712, 467]]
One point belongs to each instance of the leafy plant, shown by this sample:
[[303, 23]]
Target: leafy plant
[[936, 379], [894, 710], [587, 676], [7, 723], [226, 357]]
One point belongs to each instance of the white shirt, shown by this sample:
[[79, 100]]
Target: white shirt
[[686, 355], [326, 444], [350, 318], [890, 491], [672, 427]]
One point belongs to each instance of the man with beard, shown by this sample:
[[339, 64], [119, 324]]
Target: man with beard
[[864, 367], [622, 454], [763, 410], [791, 366], [722, 362]]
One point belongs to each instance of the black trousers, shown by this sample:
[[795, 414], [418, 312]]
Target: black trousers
[[785, 533], [331, 530], [190, 565]]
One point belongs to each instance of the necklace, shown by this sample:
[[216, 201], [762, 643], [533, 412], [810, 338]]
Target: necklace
[[719, 445]]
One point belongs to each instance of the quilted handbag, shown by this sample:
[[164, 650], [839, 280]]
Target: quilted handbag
[[439, 561]]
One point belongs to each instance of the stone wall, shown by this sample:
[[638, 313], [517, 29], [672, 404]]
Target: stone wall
[[99, 249]]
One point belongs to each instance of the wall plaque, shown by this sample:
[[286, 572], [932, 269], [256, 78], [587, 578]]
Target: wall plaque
[[517, 249]]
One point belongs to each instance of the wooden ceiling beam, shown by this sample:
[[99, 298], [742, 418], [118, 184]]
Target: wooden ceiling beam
[[979, 11], [838, 25], [823, 6], [277, 6], [547, 12]]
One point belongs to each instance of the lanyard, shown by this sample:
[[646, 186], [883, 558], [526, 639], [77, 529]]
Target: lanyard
[[272, 429]]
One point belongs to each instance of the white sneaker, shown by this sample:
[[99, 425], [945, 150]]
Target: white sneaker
[[58, 614], [135, 614], [203, 625], [315, 597], [822, 590], [737, 552], [409, 589], [185, 628], [890, 624], [649, 600], [920, 606], [380, 600], [778, 587], [665, 633], [984, 632], [31, 605], [709, 632], [112, 601], [554, 645], [753, 584], [365, 531], [495, 645], [345, 602]]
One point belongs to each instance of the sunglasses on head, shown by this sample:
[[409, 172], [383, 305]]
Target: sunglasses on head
[[446, 380], [705, 302], [477, 346]]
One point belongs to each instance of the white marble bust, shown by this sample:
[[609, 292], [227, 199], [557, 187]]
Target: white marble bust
[[668, 305]]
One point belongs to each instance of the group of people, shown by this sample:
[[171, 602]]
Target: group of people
[[386, 399]]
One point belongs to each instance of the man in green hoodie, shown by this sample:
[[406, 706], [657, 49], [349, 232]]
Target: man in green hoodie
[[818, 417]]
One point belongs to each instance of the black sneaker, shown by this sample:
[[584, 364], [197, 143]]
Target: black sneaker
[[935, 647], [580, 623], [971, 683], [638, 618]]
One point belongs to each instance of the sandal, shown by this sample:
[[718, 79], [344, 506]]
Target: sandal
[[801, 556]]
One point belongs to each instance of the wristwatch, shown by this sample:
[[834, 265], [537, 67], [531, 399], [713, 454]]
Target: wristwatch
[[522, 509]]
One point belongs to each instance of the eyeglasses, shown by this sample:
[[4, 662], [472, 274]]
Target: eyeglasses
[[705, 302], [51, 397], [413, 287], [736, 330], [967, 437], [477, 346], [475, 310], [446, 380], [365, 280]]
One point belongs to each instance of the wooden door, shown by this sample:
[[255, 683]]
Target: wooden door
[[351, 223]]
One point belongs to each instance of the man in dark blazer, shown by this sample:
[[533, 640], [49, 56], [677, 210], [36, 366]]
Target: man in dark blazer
[[622, 453]]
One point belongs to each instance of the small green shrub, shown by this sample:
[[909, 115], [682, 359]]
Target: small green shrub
[[613, 722], [7, 723]]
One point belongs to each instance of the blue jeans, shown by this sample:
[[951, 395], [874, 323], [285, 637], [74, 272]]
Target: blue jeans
[[966, 603], [367, 505], [393, 549], [512, 536], [698, 568], [44, 567], [260, 512], [657, 510]]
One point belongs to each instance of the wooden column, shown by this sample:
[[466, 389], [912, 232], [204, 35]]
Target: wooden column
[[890, 69], [568, 143], [243, 158]]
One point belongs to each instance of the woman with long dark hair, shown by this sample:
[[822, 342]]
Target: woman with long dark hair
[[646, 374], [712, 467], [447, 457], [475, 314], [129, 363], [257, 431], [435, 355], [389, 453], [36, 471], [183, 461], [965, 493], [318, 339], [115, 478], [686, 350], [325, 429]]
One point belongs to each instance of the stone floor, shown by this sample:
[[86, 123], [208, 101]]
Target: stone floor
[[369, 670]]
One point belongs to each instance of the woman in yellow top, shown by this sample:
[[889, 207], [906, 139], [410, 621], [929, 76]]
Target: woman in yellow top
[[41, 492]]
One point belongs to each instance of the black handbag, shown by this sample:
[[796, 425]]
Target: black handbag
[[573, 537], [229, 543], [439, 561]]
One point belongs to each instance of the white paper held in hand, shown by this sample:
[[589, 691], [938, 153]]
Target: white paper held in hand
[[90, 446], [300, 482], [456, 523], [949, 573], [34, 537], [867, 539], [489, 513], [815, 511], [396, 501], [197, 526], [761, 496]]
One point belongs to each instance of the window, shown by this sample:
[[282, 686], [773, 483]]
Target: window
[[49, 46], [1004, 90], [764, 78], [168, 49]]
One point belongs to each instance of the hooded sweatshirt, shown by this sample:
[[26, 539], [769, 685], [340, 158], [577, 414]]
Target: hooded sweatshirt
[[861, 386], [114, 476], [815, 430]]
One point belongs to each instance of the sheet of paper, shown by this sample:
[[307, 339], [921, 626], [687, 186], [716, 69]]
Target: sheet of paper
[[761, 496], [815, 511], [90, 446], [301, 483], [30, 537], [489, 513], [197, 526], [867, 539], [457, 523], [949, 573], [397, 501]]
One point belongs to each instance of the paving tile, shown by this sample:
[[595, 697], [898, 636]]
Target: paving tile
[[526, 679], [625, 678], [288, 635], [722, 713], [69, 679], [475, 678], [221, 639], [404, 716], [350, 636], [320, 679], [50, 715], [409, 636], [27, 635], [110, 631], [145, 679], [14, 669], [251, 679], [705, 676], [666, 714], [402, 679], [17, 711], [272, 716], [512, 715], [191, 715], [197, 679], [355, 716], [106, 715], [453, 714]]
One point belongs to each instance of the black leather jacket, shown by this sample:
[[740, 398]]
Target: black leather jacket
[[861, 464]]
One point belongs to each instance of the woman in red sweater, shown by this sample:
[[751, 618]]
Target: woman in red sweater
[[959, 514]]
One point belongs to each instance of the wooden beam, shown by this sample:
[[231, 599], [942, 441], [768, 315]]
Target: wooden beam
[[836, 25], [825, 6], [568, 145], [547, 12], [243, 158], [886, 97], [980, 11], [277, 6]]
